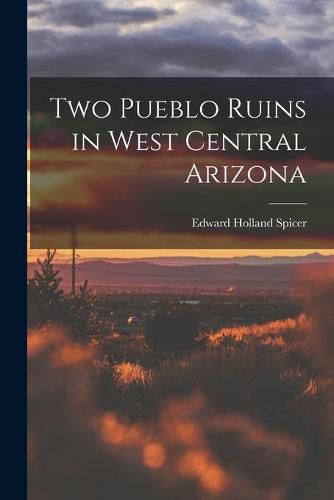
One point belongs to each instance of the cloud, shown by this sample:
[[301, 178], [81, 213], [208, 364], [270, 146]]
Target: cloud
[[38, 2], [83, 14], [192, 50], [309, 7], [212, 38], [316, 43], [252, 10]]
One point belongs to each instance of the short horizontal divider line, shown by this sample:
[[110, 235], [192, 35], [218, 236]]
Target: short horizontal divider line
[[287, 203]]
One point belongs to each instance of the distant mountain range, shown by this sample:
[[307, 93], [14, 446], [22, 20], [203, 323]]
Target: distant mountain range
[[251, 260], [174, 273]]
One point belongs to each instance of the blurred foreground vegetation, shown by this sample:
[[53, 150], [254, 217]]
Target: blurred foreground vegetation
[[244, 413]]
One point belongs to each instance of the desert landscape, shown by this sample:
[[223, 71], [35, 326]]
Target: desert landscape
[[181, 378]]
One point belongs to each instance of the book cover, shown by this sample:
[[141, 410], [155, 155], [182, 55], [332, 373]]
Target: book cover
[[180, 250]]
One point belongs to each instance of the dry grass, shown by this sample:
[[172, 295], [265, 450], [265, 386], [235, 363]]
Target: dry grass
[[186, 451], [271, 328], [248, 415], [127, 373]]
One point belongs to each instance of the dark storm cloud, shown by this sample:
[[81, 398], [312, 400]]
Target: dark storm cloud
[[249, 9], [309, 7], [316, 43], [256, 11], [193, 50], [84, 14], [38, 2]]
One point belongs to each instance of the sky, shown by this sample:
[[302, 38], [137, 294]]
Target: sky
[[182, 38], [82, 254]]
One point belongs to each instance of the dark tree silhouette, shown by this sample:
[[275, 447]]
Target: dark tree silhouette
[[82, 313], [46, 302]]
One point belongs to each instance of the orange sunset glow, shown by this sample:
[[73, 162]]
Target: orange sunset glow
[[140, 254]]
